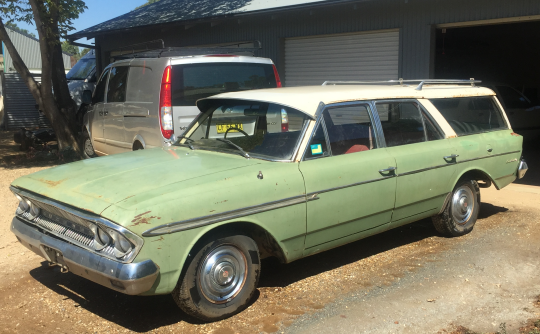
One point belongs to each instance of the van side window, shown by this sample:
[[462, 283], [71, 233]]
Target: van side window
[[470, 115], [349, 129], [137, 87], [401, 122], [117, 84], [99, 93]]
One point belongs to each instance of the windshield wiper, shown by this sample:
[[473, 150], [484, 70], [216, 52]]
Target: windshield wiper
[[233, 144], [186, 138]]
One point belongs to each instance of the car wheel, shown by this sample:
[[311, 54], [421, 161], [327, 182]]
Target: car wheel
[[88, 148], [220, 280], [460, 214]]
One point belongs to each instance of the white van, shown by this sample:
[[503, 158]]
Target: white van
[[141, 102]]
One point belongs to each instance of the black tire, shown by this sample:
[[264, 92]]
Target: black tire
[[458, 218], [86, 144], [197, 294]]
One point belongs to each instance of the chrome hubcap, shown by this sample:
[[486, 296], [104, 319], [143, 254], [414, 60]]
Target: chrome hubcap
[[462, 205], [223, 274], [88, 148]]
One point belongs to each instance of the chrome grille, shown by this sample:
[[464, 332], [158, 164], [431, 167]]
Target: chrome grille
[[61, 213], [78, 237]]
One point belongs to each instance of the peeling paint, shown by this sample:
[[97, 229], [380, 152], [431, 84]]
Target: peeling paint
[[52, 183], [160, 239]]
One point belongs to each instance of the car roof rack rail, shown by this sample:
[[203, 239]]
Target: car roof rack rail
[[163, 51], [420, 82]]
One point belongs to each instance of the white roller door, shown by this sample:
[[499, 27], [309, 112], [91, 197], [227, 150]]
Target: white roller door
[[360, 56]]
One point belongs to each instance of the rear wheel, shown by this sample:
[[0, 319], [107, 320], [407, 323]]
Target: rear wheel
[[460, 214], [221, 279], [88, 148]]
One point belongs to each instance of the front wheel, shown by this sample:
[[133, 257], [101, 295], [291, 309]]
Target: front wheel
[[221, 279], [460, 214]]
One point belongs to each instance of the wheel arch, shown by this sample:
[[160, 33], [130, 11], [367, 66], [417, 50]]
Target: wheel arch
[[477, 174], [138, 139]]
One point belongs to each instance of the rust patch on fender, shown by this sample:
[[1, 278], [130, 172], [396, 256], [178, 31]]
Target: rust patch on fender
[[139, 219], [160, 239]]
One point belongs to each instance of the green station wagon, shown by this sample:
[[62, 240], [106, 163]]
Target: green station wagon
[[285, 172]]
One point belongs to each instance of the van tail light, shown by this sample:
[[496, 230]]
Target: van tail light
[[284, 121], [278, 80], [165, 105]]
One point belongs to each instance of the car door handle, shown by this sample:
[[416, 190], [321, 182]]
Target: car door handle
[[105, 112], [490, 150], [450, 157], [387, 170]]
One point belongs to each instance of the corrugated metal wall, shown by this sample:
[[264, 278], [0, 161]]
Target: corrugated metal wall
[[357, 56], [19, 104], [414, 18], [29, 51]]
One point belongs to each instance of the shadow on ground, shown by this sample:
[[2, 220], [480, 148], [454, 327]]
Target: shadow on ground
[[141, 314]]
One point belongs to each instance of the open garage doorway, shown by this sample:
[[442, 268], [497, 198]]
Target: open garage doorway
[[503, 56]]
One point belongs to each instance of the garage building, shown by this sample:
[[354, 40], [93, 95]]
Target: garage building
[[316, 40]]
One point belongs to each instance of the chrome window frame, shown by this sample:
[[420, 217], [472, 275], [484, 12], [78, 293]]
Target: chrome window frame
[[374, 117]]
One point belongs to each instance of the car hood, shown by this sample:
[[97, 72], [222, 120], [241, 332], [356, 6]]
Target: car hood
[[95, 184]]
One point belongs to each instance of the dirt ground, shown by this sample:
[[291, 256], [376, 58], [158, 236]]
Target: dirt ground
[[291, 297]]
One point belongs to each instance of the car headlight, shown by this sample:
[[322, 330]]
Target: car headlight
[[122, 244], [34, 211], [104, 238], [23, 205]]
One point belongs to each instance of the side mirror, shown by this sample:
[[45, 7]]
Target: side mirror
[[86, 97]]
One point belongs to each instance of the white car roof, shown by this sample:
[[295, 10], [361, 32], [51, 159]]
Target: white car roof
[[308, 98]]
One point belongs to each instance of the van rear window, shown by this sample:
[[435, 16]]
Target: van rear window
[[196, 81], [470, 115]]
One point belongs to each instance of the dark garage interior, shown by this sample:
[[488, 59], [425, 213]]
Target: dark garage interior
[[502, 54]]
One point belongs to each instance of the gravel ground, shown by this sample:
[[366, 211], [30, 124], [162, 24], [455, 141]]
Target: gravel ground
[[37, 298]]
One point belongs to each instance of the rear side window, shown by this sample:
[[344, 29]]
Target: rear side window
[[470, 115], [192, 82], [402, 123], [99, 93], [117, 84]]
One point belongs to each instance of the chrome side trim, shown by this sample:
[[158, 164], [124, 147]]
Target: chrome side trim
[[423, 200], [487, 156], [314, 194], [446, 200], [425, 169], [189, 224]]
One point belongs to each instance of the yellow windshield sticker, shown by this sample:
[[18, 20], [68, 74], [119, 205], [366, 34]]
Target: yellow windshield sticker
[[316, 149]]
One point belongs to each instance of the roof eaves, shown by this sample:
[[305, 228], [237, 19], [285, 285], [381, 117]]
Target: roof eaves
[[326, 3]]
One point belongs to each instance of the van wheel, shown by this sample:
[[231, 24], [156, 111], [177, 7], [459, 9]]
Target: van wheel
[[220, 280], [460, 214], [88, 148]]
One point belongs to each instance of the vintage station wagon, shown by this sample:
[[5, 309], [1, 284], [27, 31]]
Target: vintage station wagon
[[286, 172]]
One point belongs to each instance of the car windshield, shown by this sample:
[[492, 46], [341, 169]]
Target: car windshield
[[82, 69], [248, 128]]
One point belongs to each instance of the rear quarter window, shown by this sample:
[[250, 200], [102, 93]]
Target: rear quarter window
[[192, 82], [470, 115]]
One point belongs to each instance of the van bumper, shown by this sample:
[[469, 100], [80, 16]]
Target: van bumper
[[522, 169]]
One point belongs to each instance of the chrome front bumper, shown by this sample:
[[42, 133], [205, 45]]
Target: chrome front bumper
[[522, 169], [128, 278]]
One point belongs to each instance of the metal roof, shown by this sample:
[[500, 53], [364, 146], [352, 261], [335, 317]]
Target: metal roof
[[167, 11]]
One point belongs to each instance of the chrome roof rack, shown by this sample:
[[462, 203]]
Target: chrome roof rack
[[420, 82]]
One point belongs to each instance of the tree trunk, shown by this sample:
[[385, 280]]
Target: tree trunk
[[65, 132]]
